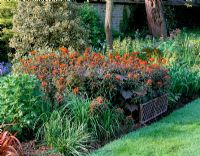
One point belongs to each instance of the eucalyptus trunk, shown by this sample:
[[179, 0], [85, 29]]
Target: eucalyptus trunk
[[108, 24], [155, 17]]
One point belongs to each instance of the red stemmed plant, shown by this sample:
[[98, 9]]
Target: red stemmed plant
[[9, 145]]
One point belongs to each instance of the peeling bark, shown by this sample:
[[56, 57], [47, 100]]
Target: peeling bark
[[155, 18]]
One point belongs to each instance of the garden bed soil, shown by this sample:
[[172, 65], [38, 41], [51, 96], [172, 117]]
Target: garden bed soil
[[32, 149]]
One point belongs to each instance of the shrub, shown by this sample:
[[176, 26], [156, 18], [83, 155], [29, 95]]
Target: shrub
[[111, 76], [47, 24], [64, 135], [9, 144], [21, 101], [91, 22]]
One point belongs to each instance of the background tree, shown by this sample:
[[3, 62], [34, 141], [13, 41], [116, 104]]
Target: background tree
[[91, 22], [108, 24], [155, 18]]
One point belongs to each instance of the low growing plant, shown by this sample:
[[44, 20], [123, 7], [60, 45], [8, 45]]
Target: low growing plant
[[102, 121], [105, 123], [64, 135], [9, 145], [21, 101], [184, 80]]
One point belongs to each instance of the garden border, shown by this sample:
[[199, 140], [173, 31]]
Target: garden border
[[152, 109]]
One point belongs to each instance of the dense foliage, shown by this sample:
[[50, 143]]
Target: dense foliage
[[74, 99], [73, 128], [102, 121], [181, 52], [91, 22], [67, 137], [185, 80], [6, 14], [20, 101], [47, 24], [111, 76]]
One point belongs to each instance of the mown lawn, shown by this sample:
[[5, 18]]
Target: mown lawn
[[176, 135]]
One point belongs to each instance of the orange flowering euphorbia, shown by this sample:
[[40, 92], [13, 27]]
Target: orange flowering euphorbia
[[110, 56], [75, 90], [41, 77], [136, 53], [33, 67], [44, 84], [62, 65], [164, 61], [107, 76], [129, 75], [149, 82], [118, 77], [33, 52], [96, 74], [152, 59], [149, 70], [135, 76], [63, 50], [100, 99], [55, 72]]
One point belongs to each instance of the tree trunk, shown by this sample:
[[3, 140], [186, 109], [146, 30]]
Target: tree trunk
[[108, 24], [155, 17]]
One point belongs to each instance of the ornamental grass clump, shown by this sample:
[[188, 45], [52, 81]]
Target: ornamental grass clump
[[102, 121], [64, 135], [9, 145], [118, 78]]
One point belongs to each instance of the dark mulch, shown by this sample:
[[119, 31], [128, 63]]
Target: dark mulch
[[32, 149]]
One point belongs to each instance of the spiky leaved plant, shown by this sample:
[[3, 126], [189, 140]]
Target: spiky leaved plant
[[9, 145]]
